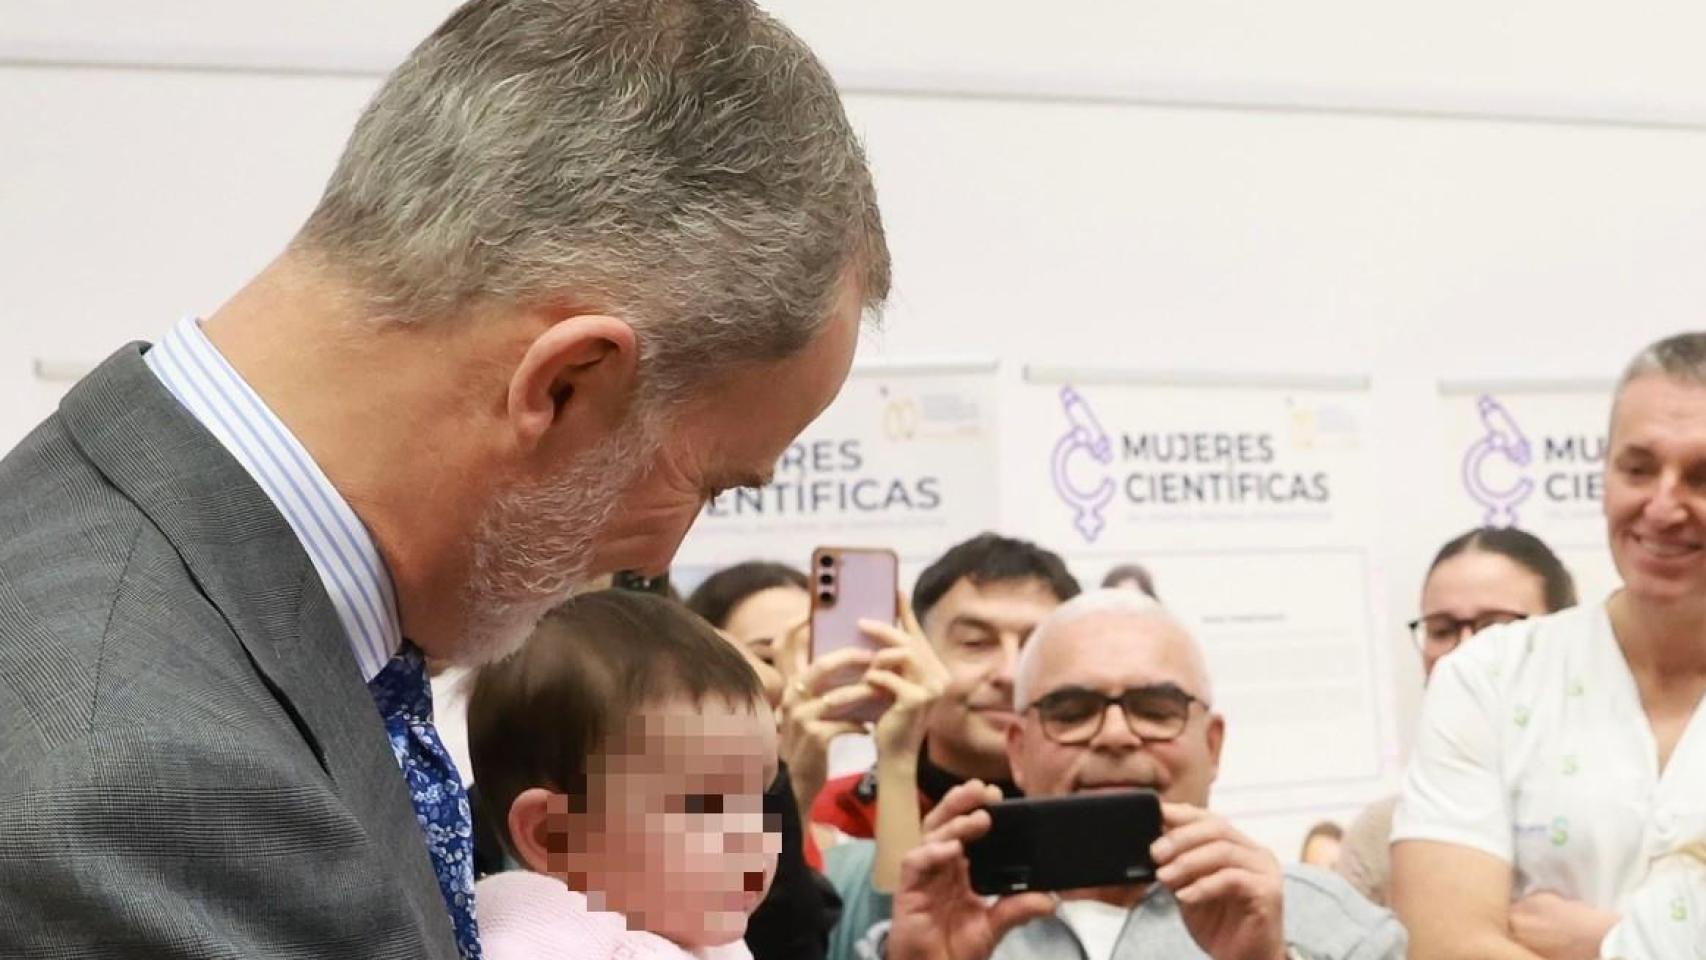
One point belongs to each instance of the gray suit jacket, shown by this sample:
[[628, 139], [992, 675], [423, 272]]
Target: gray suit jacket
[[190, 764]]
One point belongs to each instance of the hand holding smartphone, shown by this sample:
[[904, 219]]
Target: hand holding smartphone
[[1066, 843], [848, 585]]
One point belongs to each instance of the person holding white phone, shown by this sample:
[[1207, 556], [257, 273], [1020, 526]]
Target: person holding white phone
[[879, 669]]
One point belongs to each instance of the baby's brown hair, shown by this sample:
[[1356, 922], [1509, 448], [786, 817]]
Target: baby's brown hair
[[539, 718]]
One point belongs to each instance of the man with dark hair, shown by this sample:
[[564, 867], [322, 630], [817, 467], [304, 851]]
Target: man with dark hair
[[1132, 576]]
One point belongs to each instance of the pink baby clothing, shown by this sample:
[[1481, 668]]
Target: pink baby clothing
[[530, 916]]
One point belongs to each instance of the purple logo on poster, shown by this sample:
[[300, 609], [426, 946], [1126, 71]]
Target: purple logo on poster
[[1505, 440], [1083, 436]]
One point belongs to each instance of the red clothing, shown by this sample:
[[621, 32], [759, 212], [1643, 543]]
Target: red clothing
[[809, 849], [849, 804]]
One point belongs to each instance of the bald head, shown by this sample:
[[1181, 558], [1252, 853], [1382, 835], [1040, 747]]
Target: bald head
[[1155, 635], [1111, 642]]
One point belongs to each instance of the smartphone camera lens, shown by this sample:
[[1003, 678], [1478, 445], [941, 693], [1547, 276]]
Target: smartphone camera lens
[[826, 578]]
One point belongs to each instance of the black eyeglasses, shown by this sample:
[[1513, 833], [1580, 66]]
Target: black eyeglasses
[[1442, 631], [1074, 715]]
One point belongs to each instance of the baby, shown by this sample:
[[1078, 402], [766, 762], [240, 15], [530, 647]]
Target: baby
[[623, 755]]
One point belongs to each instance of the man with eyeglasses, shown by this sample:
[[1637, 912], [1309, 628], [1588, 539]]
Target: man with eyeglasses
[[1114, 694]]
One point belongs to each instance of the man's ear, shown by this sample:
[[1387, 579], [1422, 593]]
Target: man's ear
[[583, 366], [538, 824], [1216, 738], [1016, 752]]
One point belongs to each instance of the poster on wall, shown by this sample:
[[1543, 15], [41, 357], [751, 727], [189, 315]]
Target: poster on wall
[[905, 458], [1252, 505], [1532, 455]]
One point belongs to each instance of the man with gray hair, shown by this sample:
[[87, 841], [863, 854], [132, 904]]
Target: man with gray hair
[[1558, 768], [583, 264], [1114, 694]]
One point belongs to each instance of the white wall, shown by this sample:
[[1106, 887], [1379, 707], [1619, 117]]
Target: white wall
[[1443, 191]]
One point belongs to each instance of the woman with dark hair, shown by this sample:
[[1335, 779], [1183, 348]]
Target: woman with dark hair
[[765, 607], [1481, 578], [1488, 576], [756, 603]]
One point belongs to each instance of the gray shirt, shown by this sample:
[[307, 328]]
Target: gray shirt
[[1324, 920]]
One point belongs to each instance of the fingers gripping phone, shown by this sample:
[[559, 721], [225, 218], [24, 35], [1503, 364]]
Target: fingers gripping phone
[[1064, 843], [849, 585]]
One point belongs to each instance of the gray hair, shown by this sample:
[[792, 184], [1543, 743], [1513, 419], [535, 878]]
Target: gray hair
[[1680, 357], [683, 164], [1103, 602]]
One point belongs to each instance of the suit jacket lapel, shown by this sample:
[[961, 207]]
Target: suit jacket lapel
[[247, 561], [363, 765]]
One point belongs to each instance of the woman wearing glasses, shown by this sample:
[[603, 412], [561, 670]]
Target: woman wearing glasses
[[1483, 578], [1561, 758]]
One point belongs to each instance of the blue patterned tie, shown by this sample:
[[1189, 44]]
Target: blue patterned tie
[[404, 699]]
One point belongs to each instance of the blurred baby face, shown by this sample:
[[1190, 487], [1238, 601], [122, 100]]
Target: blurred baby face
[[676, 834]]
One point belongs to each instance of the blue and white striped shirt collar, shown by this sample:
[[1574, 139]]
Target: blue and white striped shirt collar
[[343, 553]]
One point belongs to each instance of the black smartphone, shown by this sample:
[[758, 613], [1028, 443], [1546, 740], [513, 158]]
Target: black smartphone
[[1063, 843]]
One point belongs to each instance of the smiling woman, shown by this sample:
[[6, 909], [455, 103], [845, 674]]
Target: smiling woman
[[1555, 762]]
